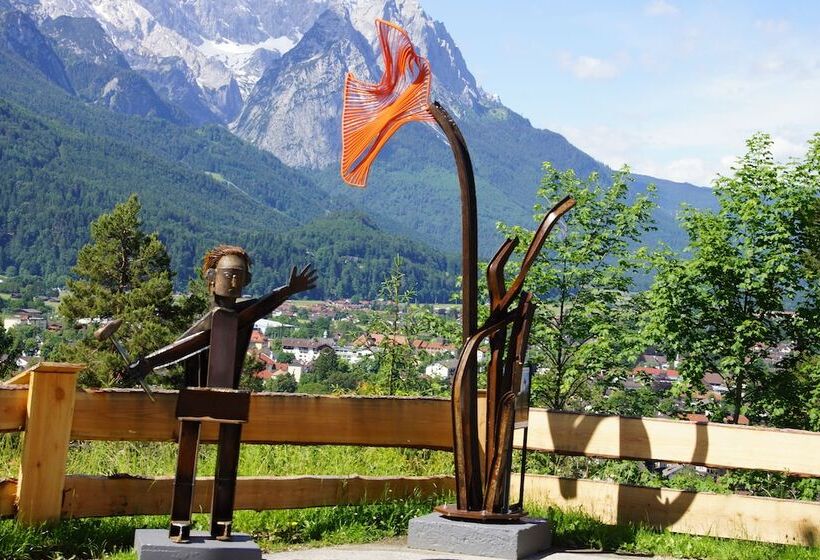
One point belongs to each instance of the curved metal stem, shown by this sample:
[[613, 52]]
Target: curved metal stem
[[469, 225], [465, 406]]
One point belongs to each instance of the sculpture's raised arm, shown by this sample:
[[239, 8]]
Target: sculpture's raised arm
[[300, 281], [194, 341]]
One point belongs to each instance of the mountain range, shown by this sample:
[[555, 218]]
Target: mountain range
[[262, 81]]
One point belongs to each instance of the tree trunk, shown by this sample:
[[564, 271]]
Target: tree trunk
[[738, 399]]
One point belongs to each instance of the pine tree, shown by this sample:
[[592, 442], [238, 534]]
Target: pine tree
[[122, 273]]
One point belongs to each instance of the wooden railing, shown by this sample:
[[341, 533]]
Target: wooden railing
[[45, 404]]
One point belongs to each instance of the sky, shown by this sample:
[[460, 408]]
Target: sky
[[672, 88]]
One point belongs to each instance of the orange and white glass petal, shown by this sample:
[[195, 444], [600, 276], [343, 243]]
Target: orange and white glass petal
[[373, 112]]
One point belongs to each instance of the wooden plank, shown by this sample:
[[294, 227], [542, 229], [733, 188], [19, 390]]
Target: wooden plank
[[13, 399], [697, 513], [274, 418], [8, 497], [709, 444], [22, 378], [19, 379], [49, 411], [91, 496]]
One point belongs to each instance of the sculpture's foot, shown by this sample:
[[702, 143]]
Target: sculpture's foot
[[451, 511], [180, 531], [221, 530]]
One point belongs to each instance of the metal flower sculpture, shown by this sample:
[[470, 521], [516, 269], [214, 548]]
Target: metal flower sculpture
[[371, 114]]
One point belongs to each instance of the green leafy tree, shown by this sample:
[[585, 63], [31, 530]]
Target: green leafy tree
[[746, 287], [122, 273], [9, 352], [398, 364], [27, 339], [329, 374], [584, 335], [248, 379], [284, 383]]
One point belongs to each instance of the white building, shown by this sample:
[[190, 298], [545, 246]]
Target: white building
[[305, 350], [353, 355], [441, 370]]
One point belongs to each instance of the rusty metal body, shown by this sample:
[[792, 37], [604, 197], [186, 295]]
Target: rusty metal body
[[482, 490], [219, 401], [213, 351], [483, 479]]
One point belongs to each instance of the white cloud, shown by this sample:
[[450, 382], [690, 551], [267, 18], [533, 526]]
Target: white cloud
[[771, 64], [783, 148], [688, 169], [588, 67], [727, 163], [661, 8]]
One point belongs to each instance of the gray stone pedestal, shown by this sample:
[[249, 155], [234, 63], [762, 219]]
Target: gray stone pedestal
[[510, 541], [154, 544]]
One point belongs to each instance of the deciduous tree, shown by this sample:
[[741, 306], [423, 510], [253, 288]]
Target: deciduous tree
[[9, 352], [584, 331], [746, 286]]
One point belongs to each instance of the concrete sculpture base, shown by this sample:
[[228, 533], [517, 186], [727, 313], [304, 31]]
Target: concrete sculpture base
[[153, 544], [510, 541]]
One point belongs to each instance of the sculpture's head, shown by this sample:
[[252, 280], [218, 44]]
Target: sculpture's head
[[227, 270]]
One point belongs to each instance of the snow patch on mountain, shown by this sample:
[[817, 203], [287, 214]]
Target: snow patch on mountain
[[246, 61]]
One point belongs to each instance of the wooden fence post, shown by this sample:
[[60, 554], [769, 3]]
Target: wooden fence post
[[49, 412]]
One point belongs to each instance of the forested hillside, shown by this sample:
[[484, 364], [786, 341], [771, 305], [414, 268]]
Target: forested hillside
[[63, 162]]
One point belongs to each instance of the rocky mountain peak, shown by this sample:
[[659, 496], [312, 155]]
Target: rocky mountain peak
[[295, 108], [20, 35], [84, 37]]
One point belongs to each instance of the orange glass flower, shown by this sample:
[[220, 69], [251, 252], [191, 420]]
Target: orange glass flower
[[373, 112]]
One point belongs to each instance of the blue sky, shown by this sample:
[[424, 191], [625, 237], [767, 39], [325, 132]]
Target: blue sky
[[671, 87]]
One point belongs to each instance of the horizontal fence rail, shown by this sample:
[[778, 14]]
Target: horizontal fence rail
[[697, 513], [92, 496], [408, 422], [706, 444], [8, 497], [425, 423], [274, 418]]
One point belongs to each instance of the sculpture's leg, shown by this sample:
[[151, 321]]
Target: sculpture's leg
[[465, 409], [184, 482], [227, 463], [222, 367], [465, 437]]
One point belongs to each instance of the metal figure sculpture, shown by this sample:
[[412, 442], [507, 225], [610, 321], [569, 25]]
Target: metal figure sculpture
[[371, 114], [213, 350]]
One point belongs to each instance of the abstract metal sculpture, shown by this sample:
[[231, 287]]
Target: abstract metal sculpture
[[371, 114], [507, 387], [213, 350]]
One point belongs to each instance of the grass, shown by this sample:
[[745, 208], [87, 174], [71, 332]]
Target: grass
[[112, 538], [273, 530]]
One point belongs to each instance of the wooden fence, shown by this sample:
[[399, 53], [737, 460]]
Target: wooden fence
[[45, 404]]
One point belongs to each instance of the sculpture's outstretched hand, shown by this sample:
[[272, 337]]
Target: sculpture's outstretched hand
[[303, 280]]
